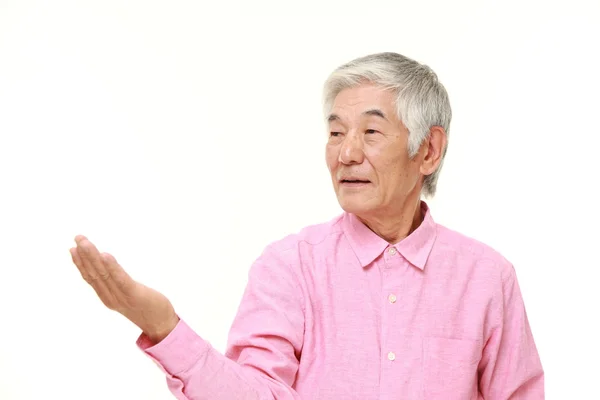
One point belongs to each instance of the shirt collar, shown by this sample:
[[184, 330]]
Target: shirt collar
[[368, 246]]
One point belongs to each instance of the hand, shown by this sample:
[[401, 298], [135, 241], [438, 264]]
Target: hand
[[150, 310]]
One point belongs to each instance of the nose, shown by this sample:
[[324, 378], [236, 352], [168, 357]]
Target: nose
[[352, 151]]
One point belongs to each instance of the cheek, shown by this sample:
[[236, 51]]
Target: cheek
[[395, 170], [331, 157], [386, 163]]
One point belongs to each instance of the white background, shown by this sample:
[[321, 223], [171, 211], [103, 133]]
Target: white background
[[183, 137]]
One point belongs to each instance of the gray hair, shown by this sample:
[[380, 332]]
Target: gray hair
[[421, 100]]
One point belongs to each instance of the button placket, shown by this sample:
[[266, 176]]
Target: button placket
[[392, 260], [390, 255]]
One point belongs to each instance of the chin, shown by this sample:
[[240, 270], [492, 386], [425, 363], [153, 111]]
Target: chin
[[355, 206]]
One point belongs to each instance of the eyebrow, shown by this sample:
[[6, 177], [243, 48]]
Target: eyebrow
[[372, 112], [333, 117], [376, 113]]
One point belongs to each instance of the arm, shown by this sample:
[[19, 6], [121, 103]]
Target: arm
[[265, 341], [510, 367]]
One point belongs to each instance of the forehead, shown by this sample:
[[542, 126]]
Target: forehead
[[356, 100]]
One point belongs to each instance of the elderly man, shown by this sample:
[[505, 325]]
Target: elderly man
[[378, 303]]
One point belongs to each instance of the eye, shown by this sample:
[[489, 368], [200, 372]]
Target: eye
[[370, 131], [334, 134]]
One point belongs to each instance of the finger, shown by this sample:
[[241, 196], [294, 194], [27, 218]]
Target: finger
[[77, 261], [120, 285], [91, 259], [79, 238], [120, 280], [102, 287], [95, 271]]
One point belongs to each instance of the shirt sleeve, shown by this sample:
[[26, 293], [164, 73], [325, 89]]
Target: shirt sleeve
[[510, 367], [263, 349]]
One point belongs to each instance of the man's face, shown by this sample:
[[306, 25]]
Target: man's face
[[367, 153]]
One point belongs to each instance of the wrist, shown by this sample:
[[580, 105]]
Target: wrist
[[159, 332]]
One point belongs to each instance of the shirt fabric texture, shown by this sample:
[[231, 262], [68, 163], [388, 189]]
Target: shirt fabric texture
[[336, 312]]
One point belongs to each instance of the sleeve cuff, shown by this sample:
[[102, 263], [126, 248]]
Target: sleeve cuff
[[176, 353]]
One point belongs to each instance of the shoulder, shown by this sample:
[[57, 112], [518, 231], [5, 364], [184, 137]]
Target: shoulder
[[310, 236], [298, 248], [473, 254], [290, 256]]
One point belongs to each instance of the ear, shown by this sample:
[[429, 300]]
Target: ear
[[435, 146]]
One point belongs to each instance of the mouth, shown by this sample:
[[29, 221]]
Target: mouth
[[354, 182]]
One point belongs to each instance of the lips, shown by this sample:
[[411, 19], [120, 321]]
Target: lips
[[354, 181]]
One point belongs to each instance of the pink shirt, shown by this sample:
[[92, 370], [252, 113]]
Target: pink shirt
[[336, 312]]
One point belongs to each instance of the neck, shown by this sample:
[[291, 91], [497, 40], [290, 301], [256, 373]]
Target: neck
[[395, 226]]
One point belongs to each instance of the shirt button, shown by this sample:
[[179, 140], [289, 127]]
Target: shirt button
[[392, 250], [391, 356], [392, 298]]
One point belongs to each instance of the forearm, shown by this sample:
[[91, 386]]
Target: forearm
[[196, 371]]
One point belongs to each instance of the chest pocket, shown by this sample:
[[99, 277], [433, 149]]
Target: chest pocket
[[450, 368]]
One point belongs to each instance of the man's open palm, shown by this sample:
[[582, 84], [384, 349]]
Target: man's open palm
[[147, 308]]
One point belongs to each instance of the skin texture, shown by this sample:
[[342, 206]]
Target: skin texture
[[367, 141], [150, 310]]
